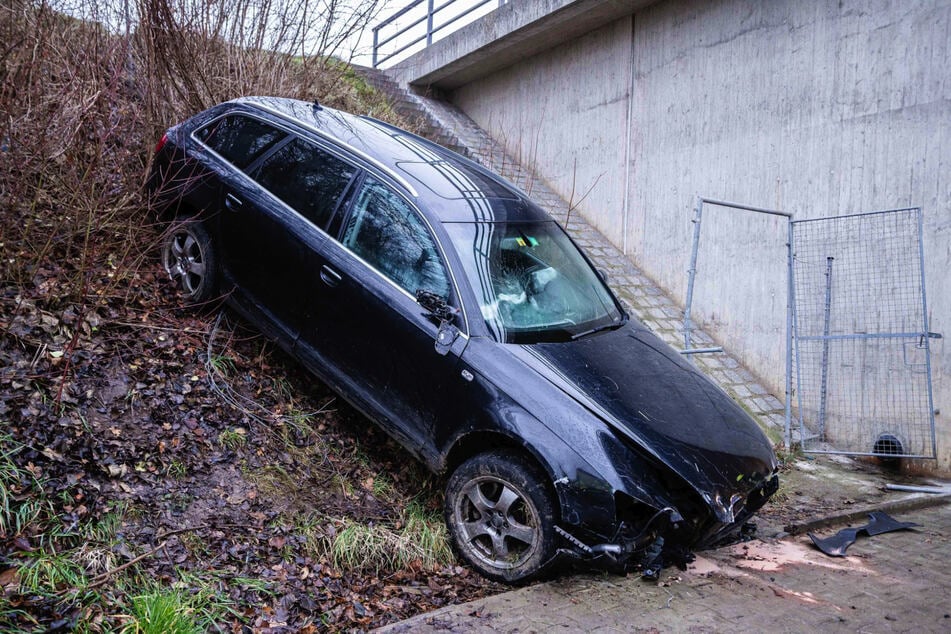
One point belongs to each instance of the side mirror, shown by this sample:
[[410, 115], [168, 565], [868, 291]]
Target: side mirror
[[438, 308], [603, 275], [435, 305]]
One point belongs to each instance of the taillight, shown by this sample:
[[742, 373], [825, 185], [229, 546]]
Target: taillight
[[161, 143]]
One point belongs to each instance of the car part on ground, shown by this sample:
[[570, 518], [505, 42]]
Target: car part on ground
[[448, 307], [878, 522]]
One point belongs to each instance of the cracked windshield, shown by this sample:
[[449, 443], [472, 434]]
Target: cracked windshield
[[532, 283]]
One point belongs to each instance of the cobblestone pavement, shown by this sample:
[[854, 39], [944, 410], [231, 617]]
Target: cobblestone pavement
[[894, 582]]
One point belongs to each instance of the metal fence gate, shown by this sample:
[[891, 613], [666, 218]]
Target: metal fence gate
[[860, 335]]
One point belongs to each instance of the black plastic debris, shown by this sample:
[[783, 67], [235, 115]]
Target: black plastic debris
[[878, 523], [653, 561]]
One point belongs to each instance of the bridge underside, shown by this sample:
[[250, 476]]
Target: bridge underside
[[512, 32]]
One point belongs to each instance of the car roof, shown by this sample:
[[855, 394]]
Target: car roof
[[449, 187]]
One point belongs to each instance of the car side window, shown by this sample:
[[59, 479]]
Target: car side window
[[307, 178], [386, 231], [239, 139]]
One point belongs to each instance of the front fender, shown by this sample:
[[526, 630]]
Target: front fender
[[585, 498], [587, 463]]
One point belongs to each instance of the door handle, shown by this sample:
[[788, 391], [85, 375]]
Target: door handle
[[232, 202], [329, 276]]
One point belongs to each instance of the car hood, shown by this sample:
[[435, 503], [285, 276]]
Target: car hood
[[648, 392]]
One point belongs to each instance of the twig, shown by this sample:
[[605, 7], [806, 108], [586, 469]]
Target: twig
[[100, 579], [73, 342], [187, 331], [247, 406], [572, 205], [670, 597], [179, 531]]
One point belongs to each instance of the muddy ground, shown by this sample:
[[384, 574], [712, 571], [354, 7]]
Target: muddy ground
[[225, 460]]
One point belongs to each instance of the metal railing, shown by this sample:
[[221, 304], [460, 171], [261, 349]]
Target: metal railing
[[431, 21]]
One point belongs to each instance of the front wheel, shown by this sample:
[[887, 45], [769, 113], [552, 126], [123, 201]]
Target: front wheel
[[501, 516], [190, 260]]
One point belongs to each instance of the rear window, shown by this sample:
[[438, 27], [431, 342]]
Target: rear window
[[307, 178], [239, 139]]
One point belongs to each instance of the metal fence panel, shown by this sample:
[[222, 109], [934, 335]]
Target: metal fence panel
[[860, 332]]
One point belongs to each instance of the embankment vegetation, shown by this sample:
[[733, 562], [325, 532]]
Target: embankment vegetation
[[161, 469]]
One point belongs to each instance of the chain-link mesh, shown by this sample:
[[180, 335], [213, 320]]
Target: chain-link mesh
[[862, 378]]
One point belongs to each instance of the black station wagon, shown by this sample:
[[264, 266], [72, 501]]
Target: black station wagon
[[456, 314]]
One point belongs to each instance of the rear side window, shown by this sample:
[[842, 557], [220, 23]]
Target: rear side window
[[239, 139], [386, 232], [307, 178]]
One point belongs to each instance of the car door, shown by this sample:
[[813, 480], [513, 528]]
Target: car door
[[368, 324], [249, 231], [273, 221]]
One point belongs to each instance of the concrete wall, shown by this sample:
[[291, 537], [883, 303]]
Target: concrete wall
[[819, 107], [573, 134]]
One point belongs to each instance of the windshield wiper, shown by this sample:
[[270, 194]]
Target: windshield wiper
[[585, 333]]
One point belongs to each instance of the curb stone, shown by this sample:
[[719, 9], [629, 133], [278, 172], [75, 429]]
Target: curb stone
[[912, 503]]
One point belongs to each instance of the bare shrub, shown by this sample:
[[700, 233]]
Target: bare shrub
[[86, 89], [199, 54], [71, 158]]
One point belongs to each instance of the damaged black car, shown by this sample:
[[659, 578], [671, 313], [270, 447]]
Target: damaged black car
[[444, 304]]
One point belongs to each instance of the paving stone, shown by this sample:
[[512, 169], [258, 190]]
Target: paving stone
[[744, 375], [731, 377], [672, 339], [701, 339], [741, 390], [711, 361], [758, 389], [670, 325], [730, 362], [674, 312], [776, 421], [897, 581], [771, 401]]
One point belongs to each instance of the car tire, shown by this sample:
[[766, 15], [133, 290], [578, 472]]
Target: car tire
[[190, 260], [501, 516]]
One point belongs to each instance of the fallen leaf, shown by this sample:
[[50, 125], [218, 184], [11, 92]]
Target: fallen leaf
[[23, 543], [9, 579], [52, 454]]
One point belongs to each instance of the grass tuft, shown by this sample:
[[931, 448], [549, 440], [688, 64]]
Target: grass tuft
[[422, 540], [48, 572], [233, 438], [21, 504], [161, 612]]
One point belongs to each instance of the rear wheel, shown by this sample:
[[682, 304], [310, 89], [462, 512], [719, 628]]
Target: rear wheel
[[190, 260], [501, 516]]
